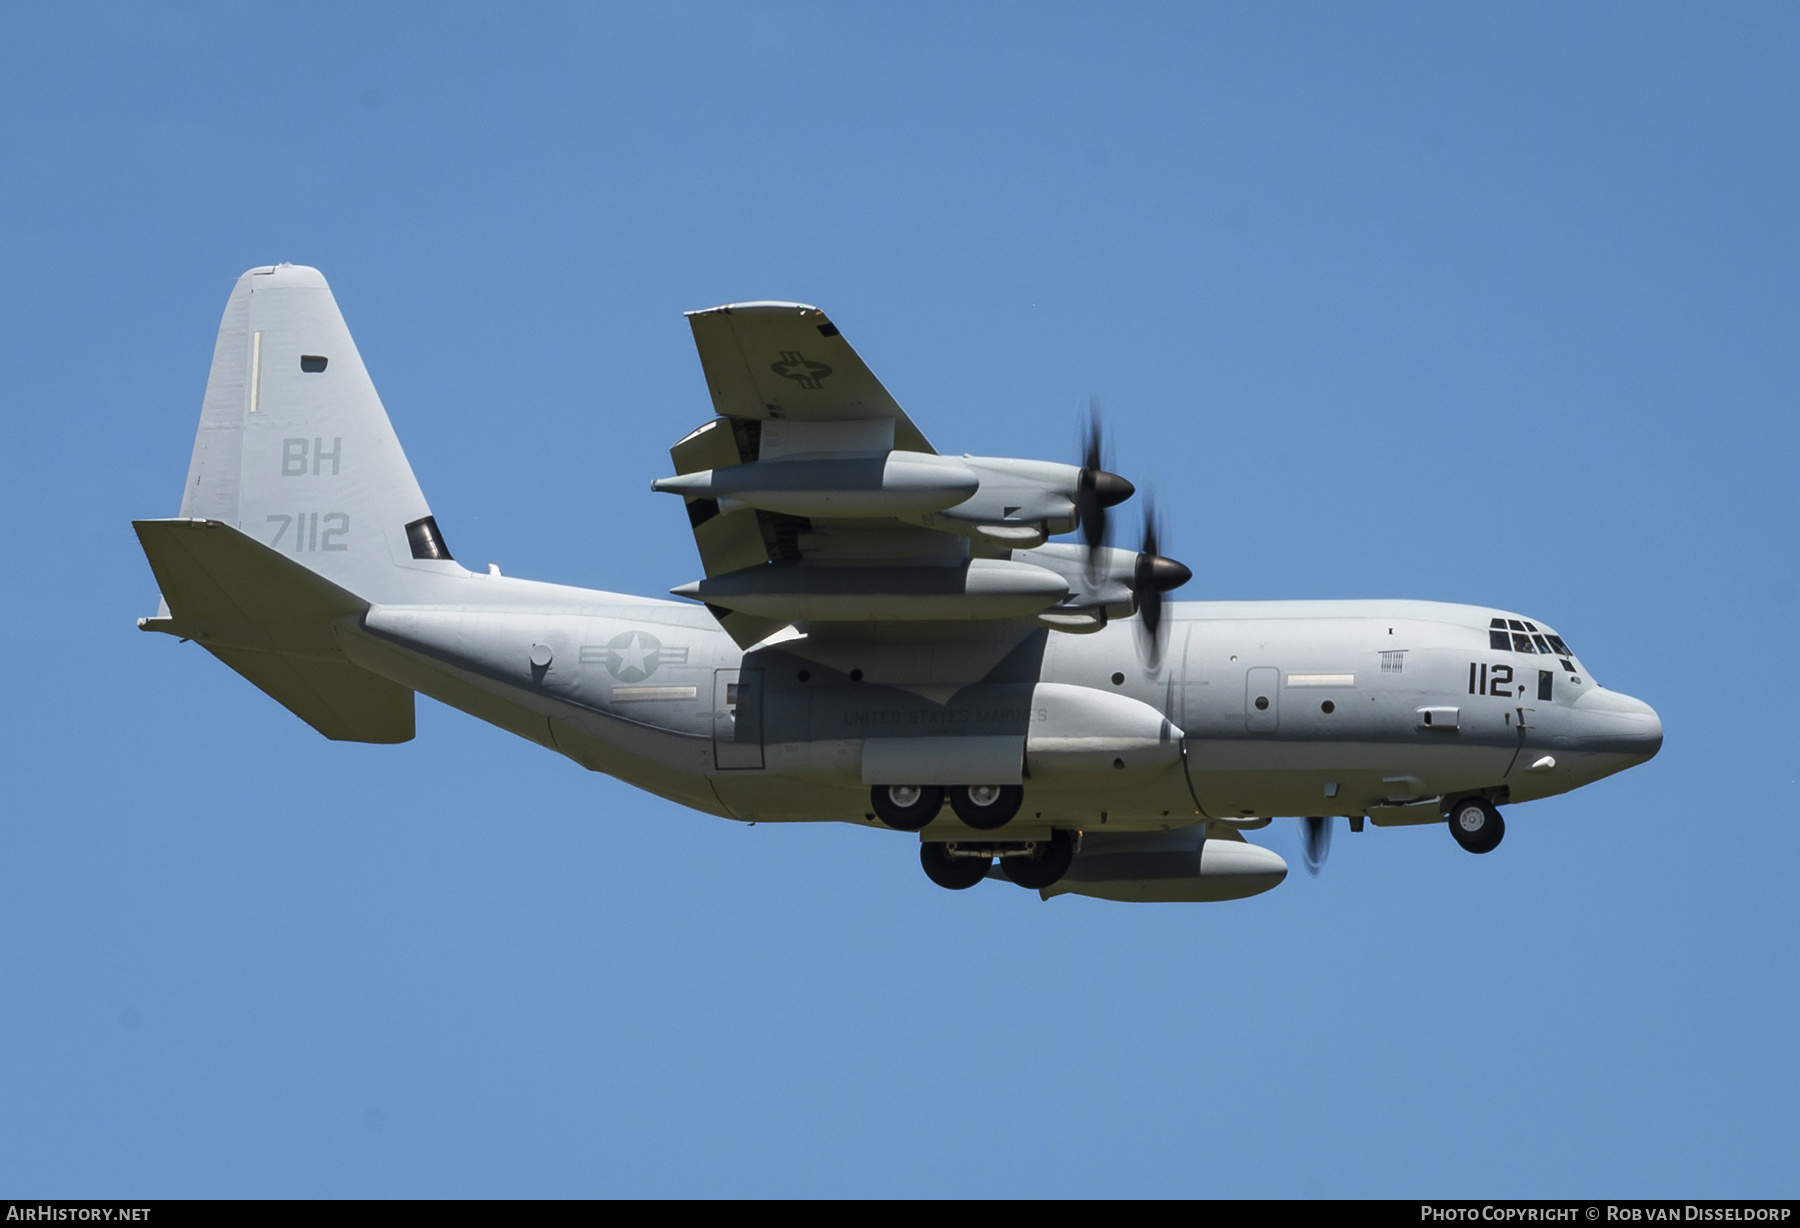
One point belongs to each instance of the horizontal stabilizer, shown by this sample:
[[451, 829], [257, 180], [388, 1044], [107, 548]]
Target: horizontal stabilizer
[[209, 570], [340, 700], [271, 620]]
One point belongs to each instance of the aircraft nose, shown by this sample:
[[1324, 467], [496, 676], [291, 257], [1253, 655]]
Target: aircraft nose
[[1616, 722]]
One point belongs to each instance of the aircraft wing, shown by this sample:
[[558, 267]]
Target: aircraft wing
[[733, 539], [816, 503], [786, 360]]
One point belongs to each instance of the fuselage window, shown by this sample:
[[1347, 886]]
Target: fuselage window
[[1568, 664], [1546, 681]]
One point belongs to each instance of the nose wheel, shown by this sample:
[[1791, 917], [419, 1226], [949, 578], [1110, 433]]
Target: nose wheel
[[1477, 825]]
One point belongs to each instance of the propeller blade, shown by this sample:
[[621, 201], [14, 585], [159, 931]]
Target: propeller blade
[[1152, 576], [1097, 489], [1091, 455], [1143, 587], [1315, 843]]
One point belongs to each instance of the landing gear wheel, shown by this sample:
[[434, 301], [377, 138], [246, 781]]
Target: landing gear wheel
[[906, 807], [955, 873], [986, 807], [1477, 825], [1047, 863]]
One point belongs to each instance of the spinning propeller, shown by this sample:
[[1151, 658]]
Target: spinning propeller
[[1315, 843], [1152, 574], [1096, 489]]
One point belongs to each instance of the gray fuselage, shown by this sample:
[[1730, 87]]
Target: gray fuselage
[[1377, 708]]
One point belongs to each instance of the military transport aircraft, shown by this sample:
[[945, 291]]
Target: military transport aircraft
[[880, 629]]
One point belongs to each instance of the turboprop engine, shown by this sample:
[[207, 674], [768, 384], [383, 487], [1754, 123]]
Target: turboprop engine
[[875, 498]]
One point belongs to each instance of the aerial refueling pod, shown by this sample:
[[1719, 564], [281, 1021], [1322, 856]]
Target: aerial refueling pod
[[1179, 866], [971, 588], [895, 484]]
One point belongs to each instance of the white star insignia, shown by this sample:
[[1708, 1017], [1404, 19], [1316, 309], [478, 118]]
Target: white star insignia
[[635, 656]]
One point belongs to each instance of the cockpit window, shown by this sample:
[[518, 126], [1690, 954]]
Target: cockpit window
[[1517, 635]]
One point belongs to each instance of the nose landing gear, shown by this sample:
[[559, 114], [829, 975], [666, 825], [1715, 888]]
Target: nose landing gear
[[1477, 825]]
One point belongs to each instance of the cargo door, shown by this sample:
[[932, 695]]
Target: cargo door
[[737, 718]]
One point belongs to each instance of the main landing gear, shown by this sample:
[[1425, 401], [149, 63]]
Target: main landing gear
[[906, 807], [986, 807], [960, 864], [1477, 825], [955, 866], [1034, 864], [911, 807]]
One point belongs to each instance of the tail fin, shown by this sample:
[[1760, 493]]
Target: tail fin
[[295, 449]]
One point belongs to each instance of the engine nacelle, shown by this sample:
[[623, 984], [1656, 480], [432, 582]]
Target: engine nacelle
[[1019, 501], [1182, 866]]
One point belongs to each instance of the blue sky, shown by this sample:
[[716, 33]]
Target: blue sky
[[1440, 301]]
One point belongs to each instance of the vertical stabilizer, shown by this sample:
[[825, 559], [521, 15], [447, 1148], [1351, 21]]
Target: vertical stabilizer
[[295, 449]]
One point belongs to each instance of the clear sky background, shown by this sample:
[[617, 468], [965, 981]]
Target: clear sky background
[[1459, 302]]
